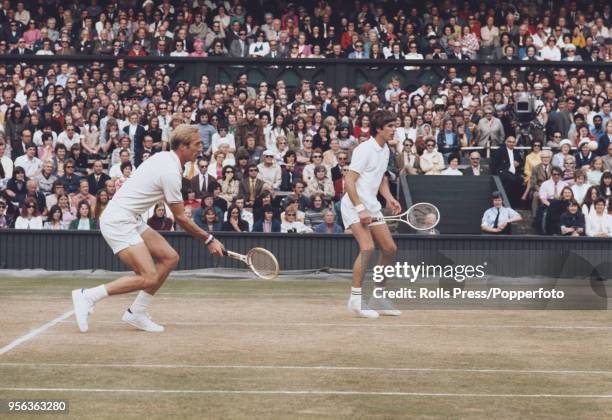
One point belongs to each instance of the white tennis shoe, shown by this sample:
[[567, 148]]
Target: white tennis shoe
[[355, 305], [82, 308], [141, 321], [384, 306]]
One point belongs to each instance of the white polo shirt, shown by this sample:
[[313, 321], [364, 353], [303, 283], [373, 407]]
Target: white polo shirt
[[157, 178], [370, 161]]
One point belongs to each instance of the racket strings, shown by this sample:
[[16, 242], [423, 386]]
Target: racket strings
[[423, 216], [263, 264]]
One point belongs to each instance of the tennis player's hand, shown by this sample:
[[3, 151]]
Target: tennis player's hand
[[216, 248], [364, 218], [395, 206]]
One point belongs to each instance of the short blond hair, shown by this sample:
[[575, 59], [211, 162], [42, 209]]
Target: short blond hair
[[182, 134]]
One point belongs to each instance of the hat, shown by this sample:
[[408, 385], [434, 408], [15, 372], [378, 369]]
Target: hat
[[538, 86], [583, 141], [343, 126], [439, 101], [268, 153], [432, 34], [565, 141], [147, 2], [570, 47]]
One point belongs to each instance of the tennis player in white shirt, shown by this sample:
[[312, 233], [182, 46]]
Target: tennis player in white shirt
[[139, 247], [365, 179]]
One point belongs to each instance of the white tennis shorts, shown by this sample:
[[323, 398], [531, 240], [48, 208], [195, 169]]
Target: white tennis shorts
[[121, 229], [350, 216]]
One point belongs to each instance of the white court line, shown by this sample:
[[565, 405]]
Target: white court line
[[323, 368], [34, 333], [376, 324], [300, 392]]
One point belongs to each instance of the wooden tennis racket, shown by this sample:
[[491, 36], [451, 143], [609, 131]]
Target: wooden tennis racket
[[260, 261]]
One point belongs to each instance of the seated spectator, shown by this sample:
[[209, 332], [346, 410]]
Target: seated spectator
[[291, 225], [30, 217], [251, 186], [55, 219], [475, 169], [159, 221], [269, 171], [16, 188], [605, 187], [29, 162], [556, 209], [431, 161], [85, 220], [599, 222], [580, 187], [584, 156], [268, 223], [315, 213], [453, 164], [448, 140], [321, 184], [595, 171], [234, 222], [407, 161], [83, 194], [328, 225], [498, 219], [207, 219], [70, 180], [572, 221], [7, 216], [126, 172], [569, 170], [46, 179]]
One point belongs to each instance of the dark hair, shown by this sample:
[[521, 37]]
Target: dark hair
[[30, 201], [84, 203], [125, 165], [381, 118], [54, 209]]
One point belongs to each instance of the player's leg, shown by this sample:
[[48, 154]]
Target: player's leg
[[166, 260], [383, 239], [139, 259], [366, 249]]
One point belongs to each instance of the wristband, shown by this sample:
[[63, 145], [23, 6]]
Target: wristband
[[209, 239], [359, 208]]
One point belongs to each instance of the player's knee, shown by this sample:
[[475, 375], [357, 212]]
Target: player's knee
[[149, 279], [390, 249], [366, 249], [172, 259]]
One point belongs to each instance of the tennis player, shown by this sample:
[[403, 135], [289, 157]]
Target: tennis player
[[142, 249], [359, 207]]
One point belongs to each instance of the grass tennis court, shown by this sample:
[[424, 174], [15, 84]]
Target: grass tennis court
[[237, 349]]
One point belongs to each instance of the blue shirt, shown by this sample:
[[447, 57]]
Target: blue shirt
[[449, 138], [206, 133], [505, 214]]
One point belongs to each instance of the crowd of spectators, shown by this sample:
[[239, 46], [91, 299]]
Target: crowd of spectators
[[274, 155]]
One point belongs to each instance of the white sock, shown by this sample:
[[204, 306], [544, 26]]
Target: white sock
[[141, 303], [95, 293], [356, 293]]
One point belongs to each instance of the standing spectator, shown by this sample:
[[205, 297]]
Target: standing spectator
[[507, 163], [491, 130]]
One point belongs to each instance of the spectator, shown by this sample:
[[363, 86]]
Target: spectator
[[251, 186], [328, 225], [572, 221], [498, 219], [16, 187], [595, 171], [207, 219], [268, 223], [507, 163], [599, 222], [85, 220], [234, 222], [269, 171], [453, 164], [491, 130], [159, 221], [55, 220], [29, 162], [291, 225], [580, 187], [475, 169], [30, 217], [431, 161]]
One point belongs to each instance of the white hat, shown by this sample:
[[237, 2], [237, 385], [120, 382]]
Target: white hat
[[439, 101], [538, 86], [565, 141], [268, 153], [583, 141], [147, 2], [570, 47]]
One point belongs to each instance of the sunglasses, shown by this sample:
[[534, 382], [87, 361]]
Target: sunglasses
[[290, 214], [317, 156], [253, 170]]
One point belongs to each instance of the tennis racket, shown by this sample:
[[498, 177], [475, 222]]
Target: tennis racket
[[261, 262], [420, 216]]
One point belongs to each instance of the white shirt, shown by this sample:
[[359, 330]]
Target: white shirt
[[451, 171], [31, 166], [595, 224], [217, 140], [370, 161], [157, 178], [298, 226], [512, 168], [33, 223], [115, 171], [580, 192], [548, 189], [68, 142], [7, 164]]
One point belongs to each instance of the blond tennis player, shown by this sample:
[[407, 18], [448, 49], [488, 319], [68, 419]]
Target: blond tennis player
[[364, 180], [142, 249]]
